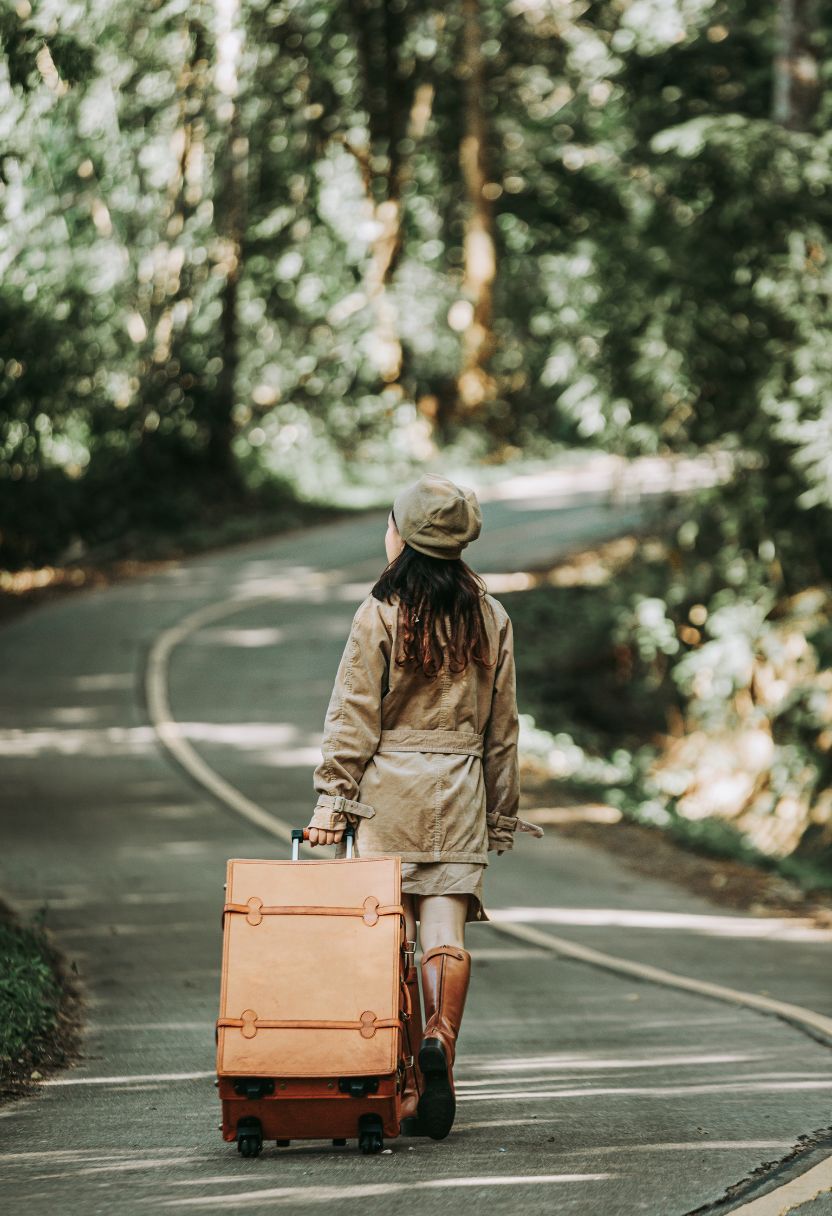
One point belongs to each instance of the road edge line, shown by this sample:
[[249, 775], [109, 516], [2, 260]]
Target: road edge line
[[793, 1194], [167, 729]]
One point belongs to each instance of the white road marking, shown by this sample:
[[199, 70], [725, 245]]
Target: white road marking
[[335, 1194], [774, 928], [128, 1079]]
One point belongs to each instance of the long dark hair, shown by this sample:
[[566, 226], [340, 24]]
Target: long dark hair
[[440, 611]]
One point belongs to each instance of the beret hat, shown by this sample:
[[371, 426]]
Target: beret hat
[[437, 517]]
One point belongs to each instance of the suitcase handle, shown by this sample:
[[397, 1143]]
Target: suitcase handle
[[299, 834]]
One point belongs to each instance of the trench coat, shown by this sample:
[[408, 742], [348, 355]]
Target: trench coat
[[425, 769]]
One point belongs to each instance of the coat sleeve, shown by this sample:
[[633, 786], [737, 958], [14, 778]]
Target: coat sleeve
[[353, 719], [499, 760]]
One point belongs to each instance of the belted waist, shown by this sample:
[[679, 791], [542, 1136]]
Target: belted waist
[[407, 739]]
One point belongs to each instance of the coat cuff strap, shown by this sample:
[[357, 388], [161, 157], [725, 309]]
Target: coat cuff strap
[[499, 825], [340, 805]]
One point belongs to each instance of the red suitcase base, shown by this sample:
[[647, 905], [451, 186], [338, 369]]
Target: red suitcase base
[[299, 1110]]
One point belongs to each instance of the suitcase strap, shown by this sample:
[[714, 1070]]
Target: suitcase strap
[[250, 1023], [369, 911]]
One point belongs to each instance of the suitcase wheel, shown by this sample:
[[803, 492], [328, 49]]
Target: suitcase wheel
[[370, 1134], [283, 1143], [249, 1137], [339, 1143]]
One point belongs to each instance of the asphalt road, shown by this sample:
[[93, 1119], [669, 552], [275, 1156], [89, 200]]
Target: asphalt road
[[581, 1090]]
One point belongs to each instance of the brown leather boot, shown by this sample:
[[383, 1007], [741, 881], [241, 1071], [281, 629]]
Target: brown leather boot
[[414, 1083], [446, 971]]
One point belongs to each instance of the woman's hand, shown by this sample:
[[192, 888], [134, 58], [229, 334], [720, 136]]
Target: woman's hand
[[326, 826], [502, 829], [322, 836]]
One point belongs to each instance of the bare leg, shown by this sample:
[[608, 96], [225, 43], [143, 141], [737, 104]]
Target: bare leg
[[442, 920]]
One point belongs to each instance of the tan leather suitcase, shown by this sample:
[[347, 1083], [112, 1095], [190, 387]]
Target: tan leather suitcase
[[314, 1011]]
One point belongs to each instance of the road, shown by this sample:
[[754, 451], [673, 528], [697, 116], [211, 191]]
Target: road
[[582, 1089]]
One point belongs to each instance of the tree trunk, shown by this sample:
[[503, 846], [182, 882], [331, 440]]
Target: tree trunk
[[385, 216], [166, 300], [220, 454], [474, 312], [380, 28], [231, 225], [797, 85]]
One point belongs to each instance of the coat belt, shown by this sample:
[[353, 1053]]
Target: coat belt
[[406, 739]]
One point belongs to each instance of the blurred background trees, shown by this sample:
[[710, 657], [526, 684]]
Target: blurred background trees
[[252, 249]]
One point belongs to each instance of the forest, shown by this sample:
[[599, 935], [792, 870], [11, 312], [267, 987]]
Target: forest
[[255, 252]]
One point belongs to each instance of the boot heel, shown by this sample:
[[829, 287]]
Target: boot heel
[[412, 1126], [437, 1106], [432, 1058]]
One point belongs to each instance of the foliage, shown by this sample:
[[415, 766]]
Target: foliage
[[199, 295], [714, 722], [29, 992]]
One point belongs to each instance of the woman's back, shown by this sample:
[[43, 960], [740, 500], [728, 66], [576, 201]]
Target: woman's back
[[421, 759], [452, 700]]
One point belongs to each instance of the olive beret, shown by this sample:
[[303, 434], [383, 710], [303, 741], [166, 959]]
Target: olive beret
[[437, 517]]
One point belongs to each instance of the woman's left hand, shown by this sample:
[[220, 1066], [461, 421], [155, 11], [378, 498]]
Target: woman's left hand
[[322, 836], [502, 829]]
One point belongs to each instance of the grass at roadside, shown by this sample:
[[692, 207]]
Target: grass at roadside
[[39, 1006]]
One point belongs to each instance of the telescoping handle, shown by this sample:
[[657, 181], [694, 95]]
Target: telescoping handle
[[299, 834]]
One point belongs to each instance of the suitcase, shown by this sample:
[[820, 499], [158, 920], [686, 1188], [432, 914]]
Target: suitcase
[[312, 1035]]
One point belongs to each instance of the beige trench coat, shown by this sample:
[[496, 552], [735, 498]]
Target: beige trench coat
[[417, 764]]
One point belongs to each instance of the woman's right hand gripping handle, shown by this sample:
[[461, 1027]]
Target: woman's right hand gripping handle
[[322, 836]]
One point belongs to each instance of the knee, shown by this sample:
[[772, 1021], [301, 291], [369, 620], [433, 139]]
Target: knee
[[429, 941], [442, 921]]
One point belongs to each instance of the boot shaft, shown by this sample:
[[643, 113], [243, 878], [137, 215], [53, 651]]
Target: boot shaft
[[446, 972]]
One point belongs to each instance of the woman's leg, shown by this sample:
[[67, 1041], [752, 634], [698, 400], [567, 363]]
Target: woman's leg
[[442, 920]]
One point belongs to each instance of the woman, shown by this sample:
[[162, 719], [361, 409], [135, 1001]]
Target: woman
[[420, 755]]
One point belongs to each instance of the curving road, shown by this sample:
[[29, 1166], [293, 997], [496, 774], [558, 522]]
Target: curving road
[[153, 729]]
